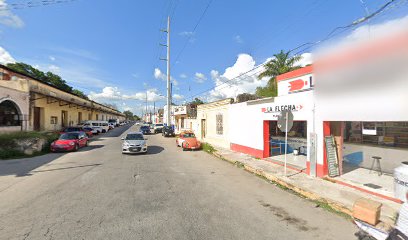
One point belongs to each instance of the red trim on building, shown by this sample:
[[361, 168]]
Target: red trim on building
[[296, 73], [321, 170], [367, 191], [247, 150], [266, 136], [307, 171]]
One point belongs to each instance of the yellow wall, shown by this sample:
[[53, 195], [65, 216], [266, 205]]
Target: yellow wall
[[208, 112]]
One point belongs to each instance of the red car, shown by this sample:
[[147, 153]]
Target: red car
[[88, 131], [187, 140], [70, 141]]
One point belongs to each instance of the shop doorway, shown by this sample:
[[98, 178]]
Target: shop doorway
[[296, 146]]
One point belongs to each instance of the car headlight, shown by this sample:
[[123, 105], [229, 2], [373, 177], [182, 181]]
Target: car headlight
[[72, 143], [125, 144]]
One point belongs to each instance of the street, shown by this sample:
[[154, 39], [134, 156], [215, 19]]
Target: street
[[98, 193]]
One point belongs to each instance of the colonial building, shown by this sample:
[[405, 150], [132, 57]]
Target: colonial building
[[28, 104]]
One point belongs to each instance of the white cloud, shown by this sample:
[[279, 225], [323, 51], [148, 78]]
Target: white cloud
[[200, 77], [113, 94], [183, 75], [52, 58], [186, 34], [234, 86], [178, 96], [238, 39], [5, 57], [307, 58], [8, 18], [54, 69], [108, 93], [158, 74]]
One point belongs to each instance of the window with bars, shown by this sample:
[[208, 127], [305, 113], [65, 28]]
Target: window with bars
[[220, 128]]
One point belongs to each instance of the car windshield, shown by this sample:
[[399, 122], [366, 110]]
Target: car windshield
[[188, 135], [159, 125], [134, 137], [72, 129], [69, 136], [144, 127]]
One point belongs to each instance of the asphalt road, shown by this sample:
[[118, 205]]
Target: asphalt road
[[98, 193]]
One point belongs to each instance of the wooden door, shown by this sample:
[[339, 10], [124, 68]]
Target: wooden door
[[37, 119]]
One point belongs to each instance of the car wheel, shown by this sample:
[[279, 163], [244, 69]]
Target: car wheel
[[86, 143], [103, 131], [76, 148]]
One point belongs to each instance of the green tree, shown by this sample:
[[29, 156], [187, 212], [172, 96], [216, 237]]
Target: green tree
[[280, 64], [129, 115], [79, 93], [196, 101]]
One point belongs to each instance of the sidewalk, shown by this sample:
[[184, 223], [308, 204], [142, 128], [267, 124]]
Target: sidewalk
[[339, 197]]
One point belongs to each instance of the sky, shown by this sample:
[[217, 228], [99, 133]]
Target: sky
[[110, 49]]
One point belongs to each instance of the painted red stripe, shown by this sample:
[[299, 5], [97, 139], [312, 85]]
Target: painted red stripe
[[296, 73]]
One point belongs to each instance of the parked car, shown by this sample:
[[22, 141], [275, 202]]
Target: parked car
[[168, 132], [70, 141], [188, 140], [115, 122], [145, 129], [111, 125], [158, 128], [100, 126], [134, 142], [87, 130]]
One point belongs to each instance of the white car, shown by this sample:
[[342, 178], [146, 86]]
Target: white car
[[111, 125], [134, 142]]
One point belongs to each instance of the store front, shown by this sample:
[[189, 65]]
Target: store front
[[362, 105], [254, 129], [296, 147]]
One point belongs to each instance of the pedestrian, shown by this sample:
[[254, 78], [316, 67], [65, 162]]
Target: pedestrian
[[400, 232]]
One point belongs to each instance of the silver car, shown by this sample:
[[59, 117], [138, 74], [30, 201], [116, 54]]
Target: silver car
[[134, 142]]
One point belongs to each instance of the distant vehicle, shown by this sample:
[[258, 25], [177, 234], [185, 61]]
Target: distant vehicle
[[158, 128], [138, 123], [101, 126], [70, 141], [145, 129], [87, 130], [168, 131], [115, 122], [187, 140], [111, 125], [134, 142]]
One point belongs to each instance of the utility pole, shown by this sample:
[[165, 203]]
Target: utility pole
[[168, 72], [146, 108], [154, 111]]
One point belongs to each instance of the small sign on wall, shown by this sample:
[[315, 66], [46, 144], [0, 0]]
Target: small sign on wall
[[369, 128]]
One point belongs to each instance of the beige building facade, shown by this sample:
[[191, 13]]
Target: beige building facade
[[27, 104], [212, 123]]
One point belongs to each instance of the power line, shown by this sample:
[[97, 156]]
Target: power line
[[194, 29], [333, 33]]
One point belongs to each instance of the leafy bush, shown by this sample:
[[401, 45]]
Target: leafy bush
[[208, 148]]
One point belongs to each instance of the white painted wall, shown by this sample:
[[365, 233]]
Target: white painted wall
[[246, 119]]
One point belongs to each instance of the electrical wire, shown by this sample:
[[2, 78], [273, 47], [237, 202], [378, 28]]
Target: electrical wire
[[333, 33], [193, 31]]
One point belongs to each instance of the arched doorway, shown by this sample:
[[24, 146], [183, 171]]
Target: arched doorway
[[9, 114]]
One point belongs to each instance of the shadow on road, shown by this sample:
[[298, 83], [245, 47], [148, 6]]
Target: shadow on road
[[64, 168], [90, 147], [154, 149], [21, 167], [116, 132]]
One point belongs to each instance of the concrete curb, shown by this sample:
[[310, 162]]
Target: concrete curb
[[304, 193]]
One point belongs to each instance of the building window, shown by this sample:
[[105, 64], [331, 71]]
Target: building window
[[9, 115], [54, 120], [390, 134], [220, 127]]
